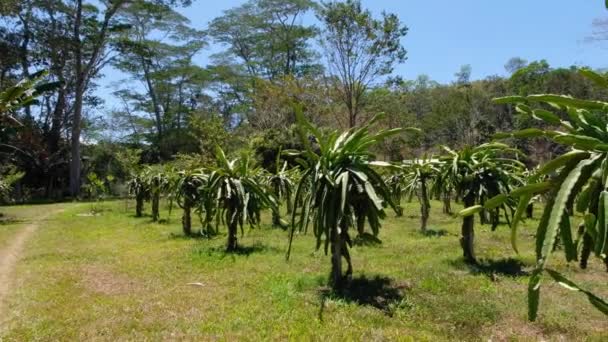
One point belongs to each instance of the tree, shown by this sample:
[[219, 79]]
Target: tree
[[158, 181], [157, 50], [267, 37], [359, 49], [235, 193], [395, 184], [138, 187], [190, 194], [418, 173], [514, 64], [577, 176], [479, 174], [281, 186], [89, 41], [344, 189]]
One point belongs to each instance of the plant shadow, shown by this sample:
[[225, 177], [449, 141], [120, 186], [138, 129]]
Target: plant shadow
[[434, 232], [379, 292], [367, 239], [509, 267], [193, 236], [257, 247]]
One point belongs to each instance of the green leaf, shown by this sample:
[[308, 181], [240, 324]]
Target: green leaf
[[601, 231], [559, 162], [501, 135], [495, 201], [546, 116], [531, 189], [579, 141], [524, 200], [523, 109], [470, 210], [529, 133], [596, 301], [590, 221], [568, 101], [584, 198], [566, 235], [557, 210], [509, 99]]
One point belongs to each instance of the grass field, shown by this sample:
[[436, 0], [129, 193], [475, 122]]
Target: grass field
[[116, 277]]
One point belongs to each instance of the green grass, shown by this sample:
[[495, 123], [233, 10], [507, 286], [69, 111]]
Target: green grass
[[116, 277]]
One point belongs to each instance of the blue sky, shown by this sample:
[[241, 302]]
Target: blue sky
[[443, 34]]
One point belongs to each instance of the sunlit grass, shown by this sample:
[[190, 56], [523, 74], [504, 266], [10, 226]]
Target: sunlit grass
[[114, 276]]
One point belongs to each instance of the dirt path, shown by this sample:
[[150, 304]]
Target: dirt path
[[9, 256]]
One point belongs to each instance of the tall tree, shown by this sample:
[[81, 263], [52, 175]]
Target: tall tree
[[359, 49], [157, 50], [267, 37]]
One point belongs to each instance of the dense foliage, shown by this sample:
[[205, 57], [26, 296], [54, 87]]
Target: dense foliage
[[577, 178], [339, 189]]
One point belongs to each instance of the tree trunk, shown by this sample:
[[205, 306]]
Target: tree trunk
[[289, 204], [336, 259], [586, 250], [139, 205], [276, 219], [187, 220], [83, 71], [447, 204], [495, 218], [155, 205], [75, 165], [232, 236], [468, 233], [424, 207], [530, 210], [360, 225]]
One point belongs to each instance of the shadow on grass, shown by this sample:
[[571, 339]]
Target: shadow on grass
[[193, 236], [367, 239], [435, 232], [492, 268], [6, 220], [379, 292], [258, 248]]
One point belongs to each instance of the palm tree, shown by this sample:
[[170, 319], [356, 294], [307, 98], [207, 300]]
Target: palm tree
[[479, 174], [236, 195], [577, 177], [343, 189], [190, 194], [418, 173]]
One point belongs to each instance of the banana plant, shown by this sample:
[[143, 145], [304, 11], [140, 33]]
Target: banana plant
[[418, 174], [236, 195], [190, 194], [344, 189], [579, 176], [22, 94], [478, 175]]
